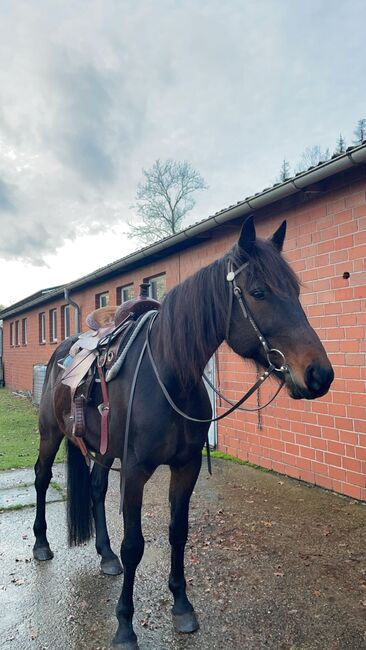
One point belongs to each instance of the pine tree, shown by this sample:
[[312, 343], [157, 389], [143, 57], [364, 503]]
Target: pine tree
[[340, 145], [284, 171]]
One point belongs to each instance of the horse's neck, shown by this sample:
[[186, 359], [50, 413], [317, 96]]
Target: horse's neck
[[191, 323]]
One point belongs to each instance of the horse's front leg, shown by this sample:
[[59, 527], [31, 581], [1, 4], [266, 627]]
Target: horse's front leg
[[110, 564], [132, 550], [182, 483]]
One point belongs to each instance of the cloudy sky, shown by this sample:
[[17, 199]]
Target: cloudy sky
[[92, 91]]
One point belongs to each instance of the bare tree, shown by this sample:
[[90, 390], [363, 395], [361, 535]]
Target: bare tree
[[284, 171], [340, 145], [163, 199], [360, 131], [312, 156]]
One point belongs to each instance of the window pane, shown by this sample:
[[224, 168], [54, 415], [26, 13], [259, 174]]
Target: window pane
[[67, 321], [24, 331], [42, 327], [125, 293], [157, 287], [17, 332], [53, 325], [101, 299]]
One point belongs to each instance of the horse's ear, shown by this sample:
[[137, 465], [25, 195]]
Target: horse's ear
[[278, 237], [247, 235]]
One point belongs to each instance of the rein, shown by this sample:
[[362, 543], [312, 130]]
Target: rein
[[271, 368]]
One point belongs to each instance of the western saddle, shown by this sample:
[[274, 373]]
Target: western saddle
[[95, 352]]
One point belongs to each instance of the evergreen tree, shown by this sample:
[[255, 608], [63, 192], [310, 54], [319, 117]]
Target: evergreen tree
[[284, 171], [341, 145]]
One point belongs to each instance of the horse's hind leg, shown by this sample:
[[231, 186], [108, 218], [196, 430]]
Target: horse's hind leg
[[182, 483], [48, 448], [110, 564]]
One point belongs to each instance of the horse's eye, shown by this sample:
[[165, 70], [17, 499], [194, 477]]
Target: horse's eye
[[258, 294]]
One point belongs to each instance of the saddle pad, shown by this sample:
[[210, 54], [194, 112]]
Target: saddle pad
[[116, 367], [77, 369], [91, 339]]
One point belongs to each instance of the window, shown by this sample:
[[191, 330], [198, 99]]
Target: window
[[12, 334], [157, 286], [65, 321], [24, 331], [17, 332], [101, 299], [124, 293], [42, 327], [53, 325]]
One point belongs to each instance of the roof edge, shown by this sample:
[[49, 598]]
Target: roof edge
[[352, 157]]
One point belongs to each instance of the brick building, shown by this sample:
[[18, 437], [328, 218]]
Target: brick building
[[322, 442]]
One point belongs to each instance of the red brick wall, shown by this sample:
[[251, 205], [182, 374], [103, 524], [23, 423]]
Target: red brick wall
[[322, 442]]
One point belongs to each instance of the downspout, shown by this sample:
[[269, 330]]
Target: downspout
[[1, 355], [77, 309]]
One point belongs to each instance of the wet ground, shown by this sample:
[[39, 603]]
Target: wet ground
[[271, 564]]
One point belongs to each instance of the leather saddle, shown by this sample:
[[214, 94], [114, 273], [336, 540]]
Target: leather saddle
[[109, 326]]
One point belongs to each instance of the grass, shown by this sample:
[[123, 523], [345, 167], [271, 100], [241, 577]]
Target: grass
[[19, 438], [234, 459]]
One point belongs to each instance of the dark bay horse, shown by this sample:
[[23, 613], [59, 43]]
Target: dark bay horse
[[195, 318]]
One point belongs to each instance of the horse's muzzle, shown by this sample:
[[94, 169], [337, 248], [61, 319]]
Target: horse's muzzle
[[318, 379]]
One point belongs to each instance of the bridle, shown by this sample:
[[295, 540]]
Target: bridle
[[269, 352], [237, 293]]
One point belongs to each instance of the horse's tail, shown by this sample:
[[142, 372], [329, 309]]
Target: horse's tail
[[79, 503]]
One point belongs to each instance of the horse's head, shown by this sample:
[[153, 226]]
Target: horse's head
[[270, 292]]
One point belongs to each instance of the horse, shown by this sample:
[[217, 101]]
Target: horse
[[250, 298]]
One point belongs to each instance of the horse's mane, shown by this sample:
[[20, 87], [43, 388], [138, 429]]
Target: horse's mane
[[192, 319]]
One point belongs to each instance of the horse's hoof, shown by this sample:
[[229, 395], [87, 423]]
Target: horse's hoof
[[185, 623], [42, 553], [111, 567]]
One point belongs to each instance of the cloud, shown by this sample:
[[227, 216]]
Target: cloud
[[6, 204], [90, 93]]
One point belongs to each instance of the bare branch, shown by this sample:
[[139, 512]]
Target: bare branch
[[164, 198]]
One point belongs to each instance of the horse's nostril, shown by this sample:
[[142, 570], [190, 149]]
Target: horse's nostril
[[318, 378]]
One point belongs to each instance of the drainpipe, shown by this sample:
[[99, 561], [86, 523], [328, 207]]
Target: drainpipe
[[1, 355], [77, 309]]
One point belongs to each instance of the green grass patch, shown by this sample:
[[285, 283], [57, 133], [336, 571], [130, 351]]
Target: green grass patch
[[234, 459], [19, 438]]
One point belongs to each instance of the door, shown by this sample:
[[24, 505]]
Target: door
[[211, 374]]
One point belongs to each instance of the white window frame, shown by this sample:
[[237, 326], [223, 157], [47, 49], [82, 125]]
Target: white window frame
[[102, 299], [125, 289], [66, 321], [153, 282], [24, 331], [17, 333], [42, 327], [12, 339], [53, 325]]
